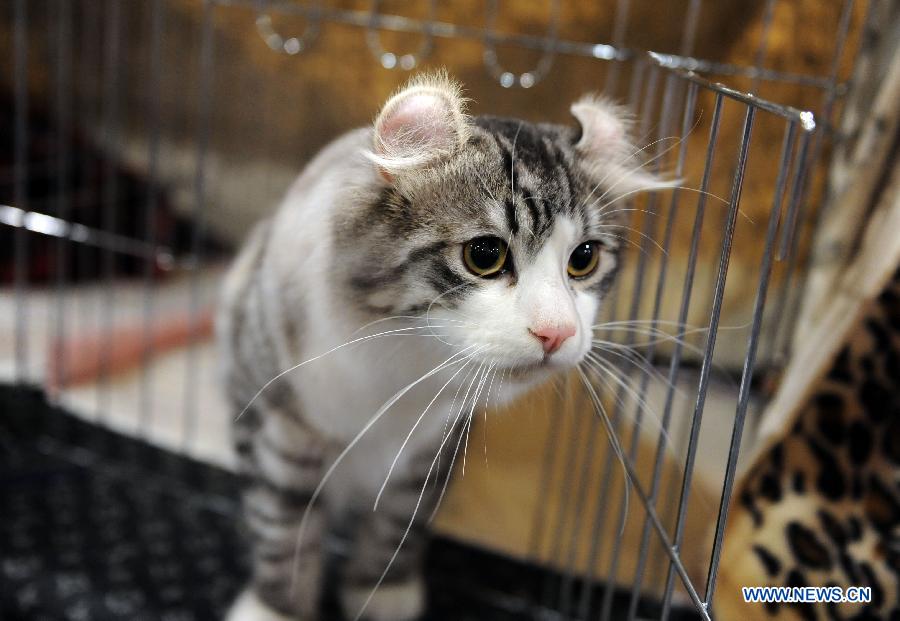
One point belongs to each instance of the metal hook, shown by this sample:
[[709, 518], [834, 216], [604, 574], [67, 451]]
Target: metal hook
[[286, 45], [508, 79], [389, 60]]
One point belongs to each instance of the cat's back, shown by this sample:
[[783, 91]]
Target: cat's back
[[299, 229], [275, 279], [336, 173]]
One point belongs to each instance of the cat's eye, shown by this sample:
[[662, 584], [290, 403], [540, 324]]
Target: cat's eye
[[485, 256], [584, 260]]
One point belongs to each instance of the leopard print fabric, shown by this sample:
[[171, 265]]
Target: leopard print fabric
[[822, 507]]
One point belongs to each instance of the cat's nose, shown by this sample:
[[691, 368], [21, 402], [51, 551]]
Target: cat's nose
[[552, 338]]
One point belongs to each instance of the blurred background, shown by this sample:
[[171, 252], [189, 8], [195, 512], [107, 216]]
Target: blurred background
[[147, 138]]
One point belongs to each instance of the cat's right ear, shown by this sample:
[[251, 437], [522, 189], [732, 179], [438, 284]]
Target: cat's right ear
[[423, 123]]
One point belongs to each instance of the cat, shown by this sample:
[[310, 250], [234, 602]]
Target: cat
[[415, 270]]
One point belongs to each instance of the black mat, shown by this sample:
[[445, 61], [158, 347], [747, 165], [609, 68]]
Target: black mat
[[97, 526]]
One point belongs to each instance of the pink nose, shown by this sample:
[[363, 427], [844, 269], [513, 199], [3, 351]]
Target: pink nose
[[552, 338]]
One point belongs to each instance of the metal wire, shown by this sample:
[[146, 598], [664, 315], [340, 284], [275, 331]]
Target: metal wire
[[648, 235], [747, 373], [601, 51], [528, 78], [829, 100], [556, 535], [760, 56], [20, 191], [205, 99], [586, 598], [290, 45], [43, 224], [656, 479], [685, 302], [64, 96], [689, 31], [111, 128], [154, 126], [618, 41], [715, 316], [390, 60]]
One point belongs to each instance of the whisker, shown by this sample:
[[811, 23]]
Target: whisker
[[483, 184], [623, 238], [641, 322], [512, 163], [641, 233], [459, 416], [472, 412], [384, 408], [613, 440], [412, 519], [625, 382], [623, 378], [648, 162], [472, 371], [320, 356], [612, 373], [440, 500], [400, 317], [641, 363], [634, 154], [431, 304], [684, 188], [486, 407], [469, 359], [657, 335], [661, 338]]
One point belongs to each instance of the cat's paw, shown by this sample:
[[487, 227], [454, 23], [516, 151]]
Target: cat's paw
[[248, 607], [403, 601]]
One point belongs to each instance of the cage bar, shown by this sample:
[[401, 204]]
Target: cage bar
[[204, 107], [97, 38], [20, 55], [689, 109], [747, 373]]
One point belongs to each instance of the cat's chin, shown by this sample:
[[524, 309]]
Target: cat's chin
[[520, 379], [530, 375]]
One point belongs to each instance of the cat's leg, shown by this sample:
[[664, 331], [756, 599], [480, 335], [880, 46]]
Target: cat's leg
[[401, 594], [284, 458]]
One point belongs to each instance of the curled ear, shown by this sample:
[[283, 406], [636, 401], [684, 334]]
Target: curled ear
[[421, 124], [607, 149]]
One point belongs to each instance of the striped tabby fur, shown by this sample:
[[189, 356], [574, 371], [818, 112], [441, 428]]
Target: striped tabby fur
[[367, 246]]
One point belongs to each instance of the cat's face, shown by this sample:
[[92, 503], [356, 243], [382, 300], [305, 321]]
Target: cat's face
[[498, 233]]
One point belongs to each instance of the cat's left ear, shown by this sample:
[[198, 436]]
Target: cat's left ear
[[607, 149], [423, 123]]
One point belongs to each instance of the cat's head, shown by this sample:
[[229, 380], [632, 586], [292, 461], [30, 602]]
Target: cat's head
[[504, 235]]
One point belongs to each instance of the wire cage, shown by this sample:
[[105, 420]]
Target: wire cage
[[117, 504]]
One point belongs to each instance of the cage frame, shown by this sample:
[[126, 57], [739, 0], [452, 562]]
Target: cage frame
[[801, 151]]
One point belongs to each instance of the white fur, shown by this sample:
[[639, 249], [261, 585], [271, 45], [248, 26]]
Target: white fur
[[543, 296], [249, 608], [341, 391], [608, 150], [345, 386], [422, 123]]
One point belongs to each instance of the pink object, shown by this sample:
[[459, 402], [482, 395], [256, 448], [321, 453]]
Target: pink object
[[552, 338], [86, 358]]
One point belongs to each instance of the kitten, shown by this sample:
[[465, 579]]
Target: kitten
[[469, 250]]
